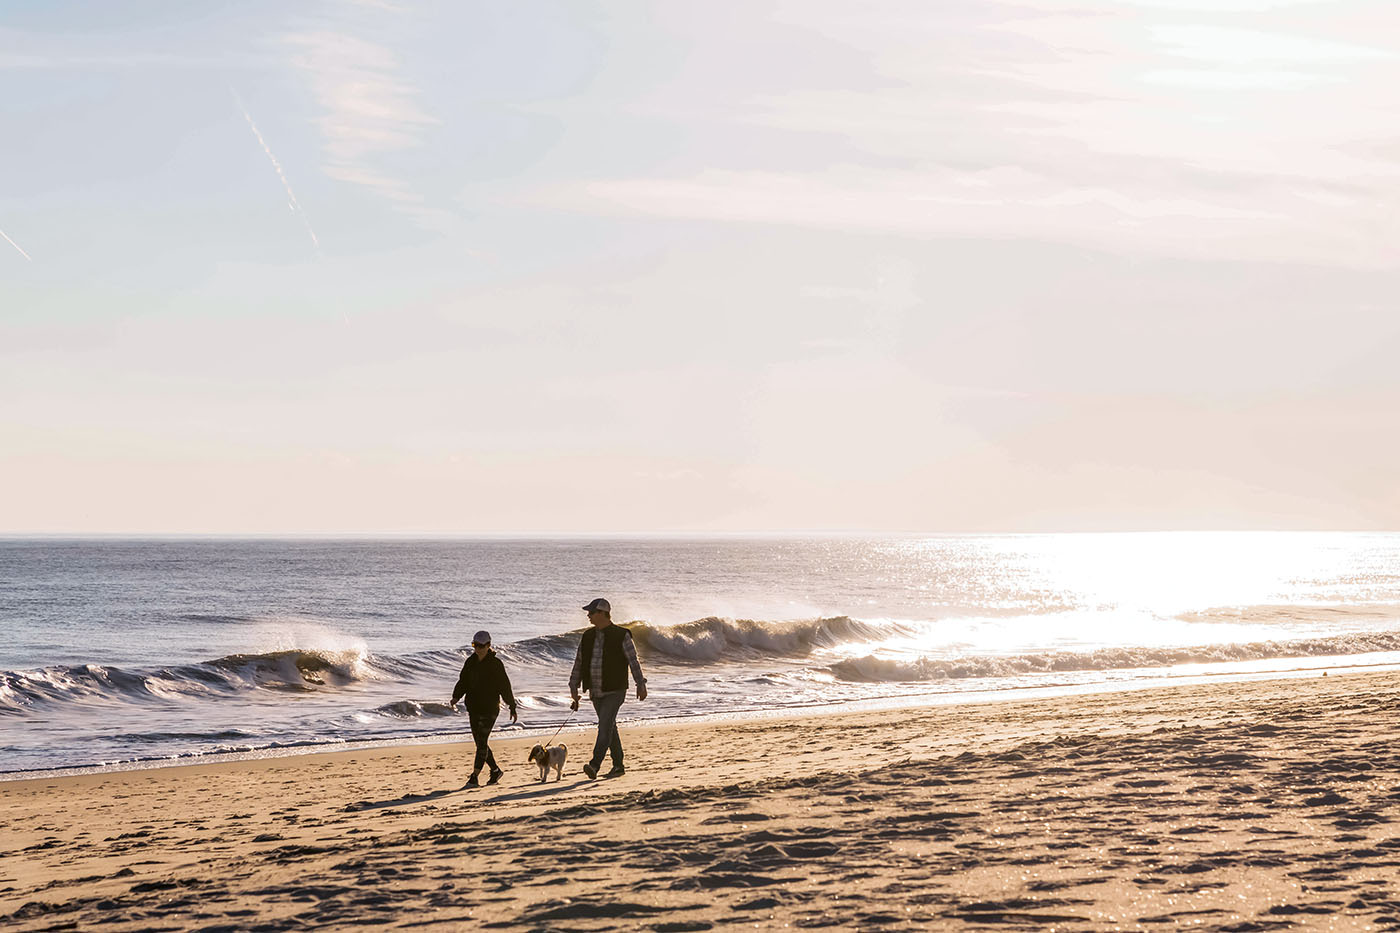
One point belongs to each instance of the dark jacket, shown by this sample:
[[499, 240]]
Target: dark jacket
[[484, 683]]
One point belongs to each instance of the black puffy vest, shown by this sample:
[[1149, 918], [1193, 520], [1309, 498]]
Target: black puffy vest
[[614, 661]]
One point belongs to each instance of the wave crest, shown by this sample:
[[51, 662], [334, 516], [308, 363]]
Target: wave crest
[[296, 668], [414, 709], [870, 669], [713, 638], [292, 670]]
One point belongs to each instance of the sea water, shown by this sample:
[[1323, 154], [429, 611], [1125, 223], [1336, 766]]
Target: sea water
[[118, 651]]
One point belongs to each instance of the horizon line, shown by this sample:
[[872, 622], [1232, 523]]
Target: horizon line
[[595, 534]]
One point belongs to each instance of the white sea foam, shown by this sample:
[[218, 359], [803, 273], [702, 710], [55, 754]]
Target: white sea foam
[[292, 669], [713, 638], [873, 669]]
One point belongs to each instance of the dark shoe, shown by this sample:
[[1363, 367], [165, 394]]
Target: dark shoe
[[591, 770], [617, 771], [495, 776], [472, 782]]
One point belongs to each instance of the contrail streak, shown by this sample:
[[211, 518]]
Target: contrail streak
[[277, 167], [16, 246]]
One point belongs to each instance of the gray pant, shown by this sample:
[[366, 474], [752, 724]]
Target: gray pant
[[606, 706]]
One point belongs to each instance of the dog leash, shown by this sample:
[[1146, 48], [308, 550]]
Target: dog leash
[[566, 721]]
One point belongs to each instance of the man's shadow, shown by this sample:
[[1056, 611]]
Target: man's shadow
[[541, 790], [407, 800], [411, 799]]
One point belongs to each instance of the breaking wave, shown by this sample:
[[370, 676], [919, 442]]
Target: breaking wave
[[413, 709], [772, 651], [292, 670], [310, 670], [871, 669], [713, 638]]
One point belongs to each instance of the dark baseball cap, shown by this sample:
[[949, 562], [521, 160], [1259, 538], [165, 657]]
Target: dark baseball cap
[[599, 605]]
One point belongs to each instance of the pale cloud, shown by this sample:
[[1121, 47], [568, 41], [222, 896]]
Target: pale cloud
[[1244, 46], [1155, 127], [1207, 79], [370, 113], [1222, 6], [99, 62], [44, 50], [950, 203]]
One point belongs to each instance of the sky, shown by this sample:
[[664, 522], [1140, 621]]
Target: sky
[[743, 265]]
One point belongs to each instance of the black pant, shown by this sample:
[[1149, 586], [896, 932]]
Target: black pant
[[481, 731]]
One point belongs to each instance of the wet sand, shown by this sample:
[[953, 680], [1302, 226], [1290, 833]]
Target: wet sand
[[1234, 806]]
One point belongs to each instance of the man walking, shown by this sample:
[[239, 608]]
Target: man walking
[[605, 653]]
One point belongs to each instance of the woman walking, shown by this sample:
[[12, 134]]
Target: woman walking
[[484, 684]]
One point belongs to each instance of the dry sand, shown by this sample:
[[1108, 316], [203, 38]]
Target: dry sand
[[1233, 806]]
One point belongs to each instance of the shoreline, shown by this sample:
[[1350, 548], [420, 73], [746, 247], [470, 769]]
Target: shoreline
[[1264, 801], [1008, 694]]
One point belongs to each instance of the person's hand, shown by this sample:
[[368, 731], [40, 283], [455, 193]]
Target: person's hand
[[574, 705], [513, 716], [641, 691]]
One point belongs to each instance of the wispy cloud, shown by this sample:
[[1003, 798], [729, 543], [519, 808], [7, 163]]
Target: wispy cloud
[[1154, 126], [12, 61], [16, 245], [292, 201], [371, 112], [388, 6], [996, 203], [120, 50]]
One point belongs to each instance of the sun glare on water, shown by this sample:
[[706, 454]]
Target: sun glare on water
[[1086, 591]]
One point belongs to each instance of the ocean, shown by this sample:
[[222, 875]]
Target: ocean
[[115, 652]]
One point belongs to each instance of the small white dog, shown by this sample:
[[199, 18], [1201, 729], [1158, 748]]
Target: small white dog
[[551, 757]]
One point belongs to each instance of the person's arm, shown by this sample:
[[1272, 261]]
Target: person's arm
[[504, 684], [629, 650], [576, 675], [461, 688]]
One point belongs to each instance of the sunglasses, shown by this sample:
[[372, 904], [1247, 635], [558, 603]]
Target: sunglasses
[[481, 644]]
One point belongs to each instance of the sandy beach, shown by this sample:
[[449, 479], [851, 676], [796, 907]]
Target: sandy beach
[[1230, 806]]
